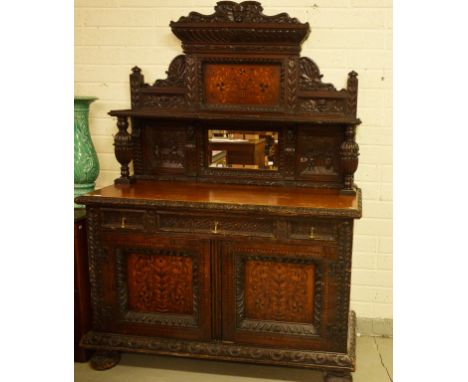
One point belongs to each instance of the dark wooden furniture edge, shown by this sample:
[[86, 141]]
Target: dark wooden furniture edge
[[82, 321], [91, 200], [227, 351], [214, 116]]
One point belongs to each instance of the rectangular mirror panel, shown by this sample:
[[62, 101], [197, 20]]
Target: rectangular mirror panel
[[255, 150]]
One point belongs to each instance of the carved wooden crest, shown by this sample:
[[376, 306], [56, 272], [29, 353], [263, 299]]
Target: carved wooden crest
[[232, 79]]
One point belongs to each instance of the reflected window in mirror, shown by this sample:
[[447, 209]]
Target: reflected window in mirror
[[242, 149]]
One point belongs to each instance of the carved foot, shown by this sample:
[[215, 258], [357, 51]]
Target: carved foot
[[338, 377], [103, 360]]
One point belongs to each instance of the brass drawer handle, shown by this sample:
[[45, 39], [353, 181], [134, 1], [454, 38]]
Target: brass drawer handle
[[215, 230], [122, 224], [311, 235]]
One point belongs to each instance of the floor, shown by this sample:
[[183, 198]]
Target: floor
[[374, 364]]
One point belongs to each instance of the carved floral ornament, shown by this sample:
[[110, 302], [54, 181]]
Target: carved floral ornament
[[230, 11]]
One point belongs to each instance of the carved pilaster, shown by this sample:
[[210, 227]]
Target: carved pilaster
[[352, 88], [191, 79], [137, 81], [123, 150], [292, 81], [349, 153]]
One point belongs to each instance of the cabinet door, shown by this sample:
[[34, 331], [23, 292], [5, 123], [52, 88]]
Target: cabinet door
[[279, 295], [158, 285]]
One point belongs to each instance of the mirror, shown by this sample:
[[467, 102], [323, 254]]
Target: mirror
[[255, 150]]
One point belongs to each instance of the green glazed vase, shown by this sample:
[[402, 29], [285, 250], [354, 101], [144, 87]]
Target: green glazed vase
[[86, 160]]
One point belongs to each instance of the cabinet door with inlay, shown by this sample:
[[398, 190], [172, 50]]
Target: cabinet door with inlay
[[279, 295], [158, 286]]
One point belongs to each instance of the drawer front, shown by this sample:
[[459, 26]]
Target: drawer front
[[123, 219], [216, 225], [313, 230]]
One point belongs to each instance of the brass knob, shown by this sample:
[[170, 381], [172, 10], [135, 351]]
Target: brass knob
[[215, 230], [311, 234], [122, 224]]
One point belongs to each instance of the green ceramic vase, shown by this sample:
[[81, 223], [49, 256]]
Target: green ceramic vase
[[86, 160]]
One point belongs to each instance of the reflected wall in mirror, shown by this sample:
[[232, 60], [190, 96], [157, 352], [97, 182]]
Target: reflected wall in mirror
[[242, 149]]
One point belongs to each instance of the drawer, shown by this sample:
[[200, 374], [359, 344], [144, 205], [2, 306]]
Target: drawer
[[313, 230], [216, 225], [123, 219]]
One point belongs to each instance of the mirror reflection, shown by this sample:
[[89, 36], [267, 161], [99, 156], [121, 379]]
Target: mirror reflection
[[256, 150]]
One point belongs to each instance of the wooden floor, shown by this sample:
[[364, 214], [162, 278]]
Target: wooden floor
[[374, 364]]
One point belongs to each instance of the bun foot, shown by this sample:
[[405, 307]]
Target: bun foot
[[103, 360], [338, 377]]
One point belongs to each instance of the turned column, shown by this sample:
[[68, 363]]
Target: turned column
[[349, 153], [123, 151]]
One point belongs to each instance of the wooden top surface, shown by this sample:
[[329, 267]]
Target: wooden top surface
[[267, 199]]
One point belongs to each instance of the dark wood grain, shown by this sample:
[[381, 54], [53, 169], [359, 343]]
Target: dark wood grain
[[240, 196]]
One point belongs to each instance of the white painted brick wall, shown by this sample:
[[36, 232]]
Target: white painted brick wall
[[111, 36]]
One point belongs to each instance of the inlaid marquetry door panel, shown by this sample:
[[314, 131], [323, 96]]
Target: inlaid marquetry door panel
[[159, 286], [278, 295]]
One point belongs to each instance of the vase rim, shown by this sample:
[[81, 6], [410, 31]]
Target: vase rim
[[85, 98]]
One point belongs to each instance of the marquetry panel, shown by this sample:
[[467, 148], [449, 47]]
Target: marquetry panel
[[242, 84], [160, 283], [279, 291]]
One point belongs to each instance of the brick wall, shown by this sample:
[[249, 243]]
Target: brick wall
[[111, 36]]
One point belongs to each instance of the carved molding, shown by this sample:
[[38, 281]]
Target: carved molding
[[217, 350], [97, 256], [341, 276]]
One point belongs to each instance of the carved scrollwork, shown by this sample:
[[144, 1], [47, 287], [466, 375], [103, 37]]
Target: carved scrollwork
[[244, 12], [175, 74], [322, 105], [310, 77]]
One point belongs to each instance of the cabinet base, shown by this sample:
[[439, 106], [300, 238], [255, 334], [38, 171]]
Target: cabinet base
[[338, 365], [103, 360]]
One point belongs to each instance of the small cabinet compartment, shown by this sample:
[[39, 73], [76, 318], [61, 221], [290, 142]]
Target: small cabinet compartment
[[278, 295], [158, 286]]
